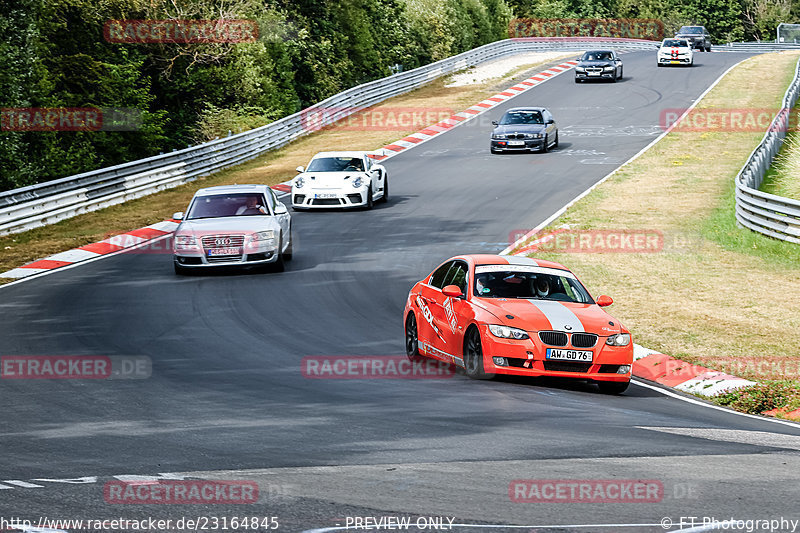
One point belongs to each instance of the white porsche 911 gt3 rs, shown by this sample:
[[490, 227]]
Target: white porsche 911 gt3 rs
[[340, 179]]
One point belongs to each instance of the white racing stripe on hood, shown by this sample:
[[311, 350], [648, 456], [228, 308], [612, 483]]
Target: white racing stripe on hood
[[559, 316]]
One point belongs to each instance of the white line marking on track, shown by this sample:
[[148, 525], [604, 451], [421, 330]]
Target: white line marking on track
[[668, 392], [23, 484], [492, 526]]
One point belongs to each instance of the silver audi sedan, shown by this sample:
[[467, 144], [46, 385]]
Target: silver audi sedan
[[233, 225]]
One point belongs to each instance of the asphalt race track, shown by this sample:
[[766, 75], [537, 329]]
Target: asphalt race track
[[227, 399]]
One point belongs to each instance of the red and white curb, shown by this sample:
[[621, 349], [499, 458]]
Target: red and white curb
[[686, 377], [141, 235], [94, 250]]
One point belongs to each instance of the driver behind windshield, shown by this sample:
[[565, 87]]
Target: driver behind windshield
[[251, 207], [523, 118]]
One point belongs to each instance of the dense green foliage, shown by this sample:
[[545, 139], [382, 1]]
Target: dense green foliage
[[54, 54], [726, 20]]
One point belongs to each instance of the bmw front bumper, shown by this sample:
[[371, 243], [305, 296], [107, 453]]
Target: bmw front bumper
[[504, 145]]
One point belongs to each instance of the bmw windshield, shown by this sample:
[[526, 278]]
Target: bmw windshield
[[521, 117], [510, 281]]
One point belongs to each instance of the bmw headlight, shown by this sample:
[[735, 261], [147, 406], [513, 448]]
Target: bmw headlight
[[263, 236], [185, 241], [358, 182], [620, 339], [499, 136], [299, 182], [580, 69], [505, 332], [608, 69]]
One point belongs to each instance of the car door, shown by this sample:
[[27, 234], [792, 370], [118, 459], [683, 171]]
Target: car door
[[281, 215], [447, 310], [550, 125], [376, 176], [431, 337], [617, 64]]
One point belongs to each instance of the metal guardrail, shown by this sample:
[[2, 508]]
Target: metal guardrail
[[756, 47], [762, 212], [38, 205]]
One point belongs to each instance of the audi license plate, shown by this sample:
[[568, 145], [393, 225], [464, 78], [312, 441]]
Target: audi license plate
[[556, 354], [325, 195], [516, 143], [215, 252]]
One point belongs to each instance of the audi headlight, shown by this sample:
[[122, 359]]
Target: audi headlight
[[263, 236], [185, 241], [505, 332], [299, 182], [358, 182], [620, 339], [499, 136]]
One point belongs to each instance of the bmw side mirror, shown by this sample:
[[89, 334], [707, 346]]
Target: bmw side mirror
[[494, 123], [452, 291], [551, 121], [177, 216], [280, 209], [300, 169], [604, 301]]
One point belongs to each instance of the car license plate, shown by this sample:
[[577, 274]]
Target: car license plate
[[325, 195], [593, 73], [556, 354], [516, 143], [215, 252], [675, 62]]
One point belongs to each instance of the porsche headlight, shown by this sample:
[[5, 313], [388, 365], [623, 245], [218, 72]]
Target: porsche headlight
[[620, 339], [499, 136], [299, 182], [505, 332], [263, 236], [185, 241], [358, 182]]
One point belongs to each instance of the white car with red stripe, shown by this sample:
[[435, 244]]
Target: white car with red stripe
[[494, 314], [675, 52], [340, 180]]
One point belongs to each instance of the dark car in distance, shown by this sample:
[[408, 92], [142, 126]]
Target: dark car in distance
[[530, 129], [598, 65], [697, 36]]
